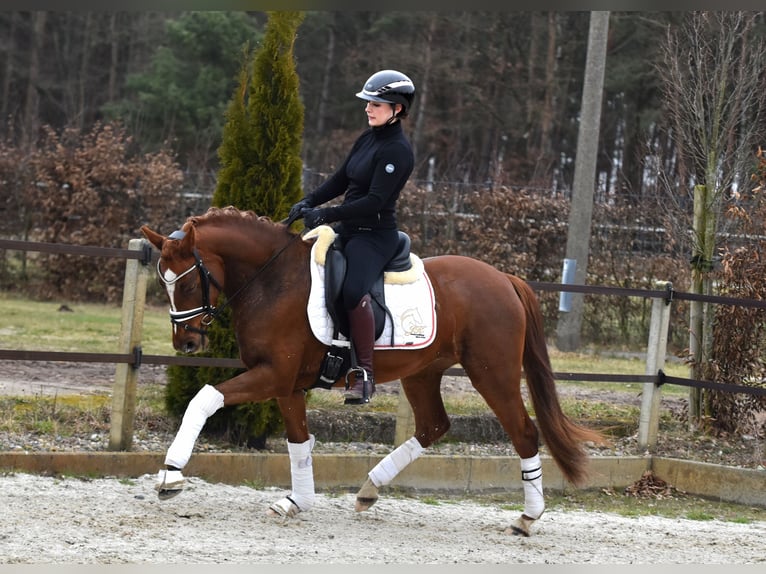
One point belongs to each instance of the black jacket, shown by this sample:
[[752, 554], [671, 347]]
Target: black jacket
[[372, 176]]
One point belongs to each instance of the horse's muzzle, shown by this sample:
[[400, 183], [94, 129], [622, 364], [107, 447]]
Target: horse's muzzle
[[189, 347], [189, 342]]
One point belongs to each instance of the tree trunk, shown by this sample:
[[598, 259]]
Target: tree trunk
[[533, 87], [546, 116], [9, 68], [578, 236], [422, 89], [32, 101], [324, 94], [114, 42], [696, 312], [82, 84]]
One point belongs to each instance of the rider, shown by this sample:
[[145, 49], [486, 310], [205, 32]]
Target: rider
[[371, 177]]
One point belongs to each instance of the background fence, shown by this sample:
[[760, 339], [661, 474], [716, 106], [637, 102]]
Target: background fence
[[140, 259]]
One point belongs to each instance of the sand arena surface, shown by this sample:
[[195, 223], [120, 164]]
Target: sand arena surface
[[49, 520]]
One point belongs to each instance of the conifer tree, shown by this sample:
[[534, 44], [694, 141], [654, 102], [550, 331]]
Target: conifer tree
[[260, 158], [261, 171]]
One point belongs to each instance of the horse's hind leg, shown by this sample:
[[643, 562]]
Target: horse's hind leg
[[431, 422], [501, 389], [170, 480]]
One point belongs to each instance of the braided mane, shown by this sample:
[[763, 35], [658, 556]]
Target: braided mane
[[214, 214]]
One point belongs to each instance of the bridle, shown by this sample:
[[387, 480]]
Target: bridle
[[209, 312]]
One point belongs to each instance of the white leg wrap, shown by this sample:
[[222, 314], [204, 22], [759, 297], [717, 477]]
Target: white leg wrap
[[204, 404], [387, 469], [532, 479], [302, 473]]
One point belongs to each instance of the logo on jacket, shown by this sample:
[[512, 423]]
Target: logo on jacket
[[390, 168]]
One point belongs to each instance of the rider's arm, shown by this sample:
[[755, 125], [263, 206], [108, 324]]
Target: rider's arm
[[392, 166]]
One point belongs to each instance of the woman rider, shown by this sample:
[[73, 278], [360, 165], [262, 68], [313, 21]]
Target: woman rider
[[371, 177]]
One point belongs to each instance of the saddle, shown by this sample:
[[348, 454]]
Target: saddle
[[335, 274], [338, 359]]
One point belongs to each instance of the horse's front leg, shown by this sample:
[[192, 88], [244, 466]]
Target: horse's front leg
[[299, 446], [170, 480], [251, 386]]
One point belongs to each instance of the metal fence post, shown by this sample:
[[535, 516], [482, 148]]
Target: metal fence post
[[126, 375], [656, 350]]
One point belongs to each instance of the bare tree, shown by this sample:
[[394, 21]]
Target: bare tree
[[32, 100], [8, 72], [712, 72]]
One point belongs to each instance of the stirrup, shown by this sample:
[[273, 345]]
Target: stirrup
[[362, 390]]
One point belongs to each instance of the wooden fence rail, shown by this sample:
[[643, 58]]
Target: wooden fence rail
[[140, 257]]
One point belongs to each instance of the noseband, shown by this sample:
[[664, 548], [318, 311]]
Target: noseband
[[208, 312]]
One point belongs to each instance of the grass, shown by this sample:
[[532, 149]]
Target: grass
[[93, 328], [88, 327], [70, 415]]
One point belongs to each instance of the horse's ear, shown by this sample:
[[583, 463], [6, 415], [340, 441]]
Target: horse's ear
[[154, 238]]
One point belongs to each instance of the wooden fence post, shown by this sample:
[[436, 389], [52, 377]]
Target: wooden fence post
[[656, 350], [126, 375]]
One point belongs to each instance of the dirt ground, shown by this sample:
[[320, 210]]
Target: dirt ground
[[30, 378], [109, 521], [55, 520]]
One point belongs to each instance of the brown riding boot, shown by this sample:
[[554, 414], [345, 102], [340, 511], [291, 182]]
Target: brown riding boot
[[362, 326]]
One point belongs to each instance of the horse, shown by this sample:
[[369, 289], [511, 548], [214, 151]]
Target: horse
[[489, 322]]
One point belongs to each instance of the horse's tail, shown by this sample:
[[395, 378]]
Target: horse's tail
[[561, 435]]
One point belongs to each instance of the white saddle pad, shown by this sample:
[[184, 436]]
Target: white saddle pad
[[409, 297]]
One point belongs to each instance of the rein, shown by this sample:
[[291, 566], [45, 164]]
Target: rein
[[209, 312]]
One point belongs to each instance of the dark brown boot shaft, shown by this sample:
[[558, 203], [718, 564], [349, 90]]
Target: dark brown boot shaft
[[362, 326]]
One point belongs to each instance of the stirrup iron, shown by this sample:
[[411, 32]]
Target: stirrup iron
[[367, 384]]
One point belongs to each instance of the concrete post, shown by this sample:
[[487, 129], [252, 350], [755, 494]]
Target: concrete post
[[656, 350]]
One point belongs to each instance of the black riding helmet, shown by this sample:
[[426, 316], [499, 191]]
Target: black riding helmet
[[390, 87]]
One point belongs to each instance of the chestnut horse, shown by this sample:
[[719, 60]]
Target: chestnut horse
[[488, 321]]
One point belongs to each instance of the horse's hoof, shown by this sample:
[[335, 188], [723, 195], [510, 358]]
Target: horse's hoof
[[165, 494], [170, 483], [366, 497], [521, 527], [284, 508]]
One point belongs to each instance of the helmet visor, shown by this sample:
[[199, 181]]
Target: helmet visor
[[373, 97]]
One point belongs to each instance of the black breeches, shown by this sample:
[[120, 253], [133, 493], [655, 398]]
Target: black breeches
[[367, 254]]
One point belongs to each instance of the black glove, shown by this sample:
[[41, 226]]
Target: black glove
[[295, 210], [314, 217]]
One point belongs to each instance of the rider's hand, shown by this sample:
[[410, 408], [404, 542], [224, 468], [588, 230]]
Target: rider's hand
[[295, 210], [314, 217]]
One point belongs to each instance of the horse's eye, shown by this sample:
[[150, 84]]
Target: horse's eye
[[189, 287]]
